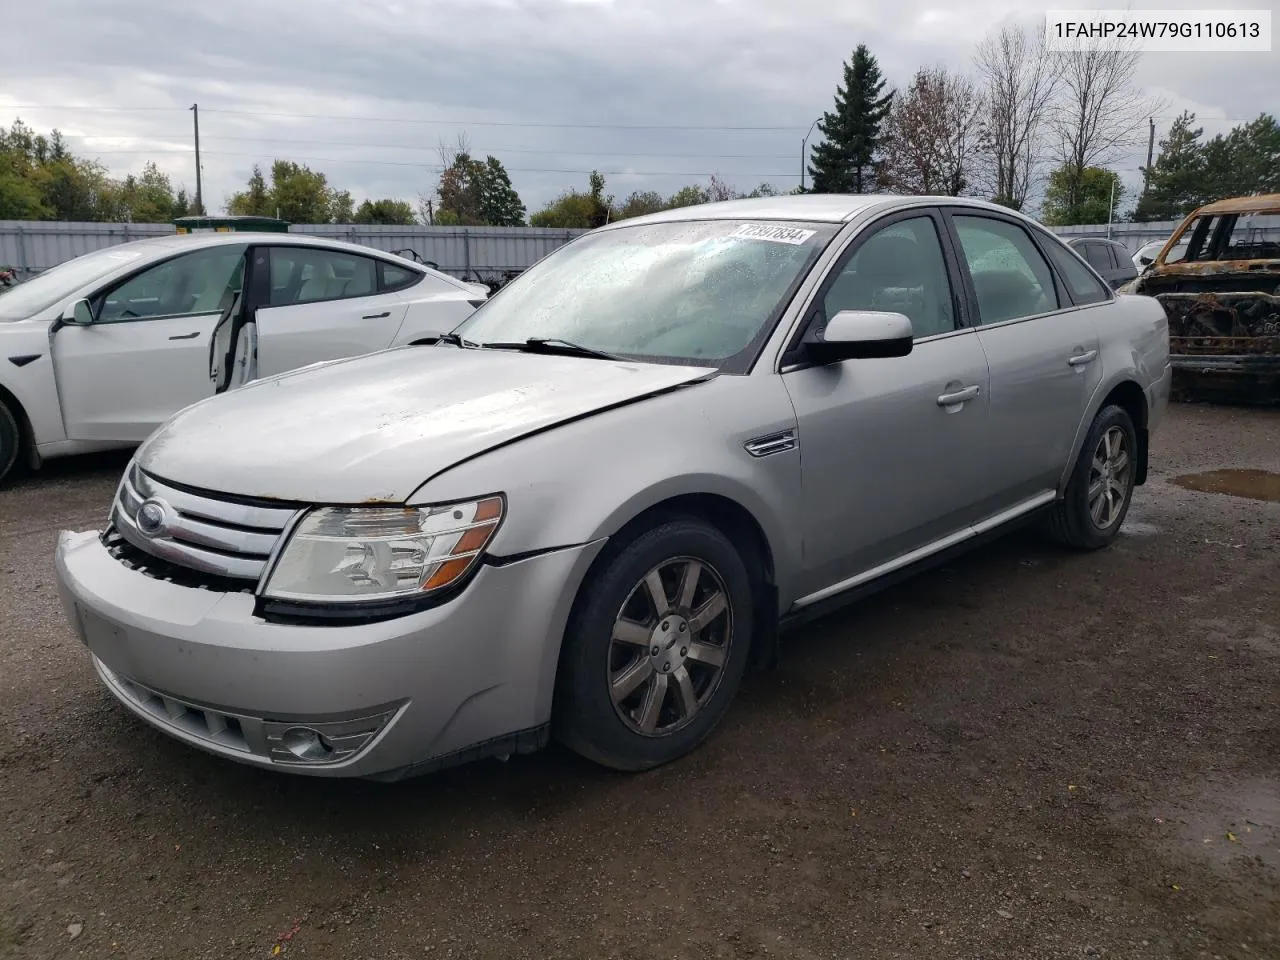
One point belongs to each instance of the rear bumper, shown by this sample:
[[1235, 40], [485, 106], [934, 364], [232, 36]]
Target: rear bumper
[[1158, 394]]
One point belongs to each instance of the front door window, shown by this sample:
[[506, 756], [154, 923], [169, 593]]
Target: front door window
[[202, 281]]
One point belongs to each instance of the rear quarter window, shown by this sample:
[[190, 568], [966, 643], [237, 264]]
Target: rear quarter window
[[1082, 285], [392, 277]]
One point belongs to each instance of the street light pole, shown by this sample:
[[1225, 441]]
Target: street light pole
[[1111, 209], [804, 143]]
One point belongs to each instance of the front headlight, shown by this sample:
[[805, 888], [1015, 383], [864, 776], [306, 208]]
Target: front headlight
[[361, 554]]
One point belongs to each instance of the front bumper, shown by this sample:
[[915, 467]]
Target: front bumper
[[471, 677]]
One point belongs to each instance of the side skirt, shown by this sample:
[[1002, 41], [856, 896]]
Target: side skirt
[[797, 617]]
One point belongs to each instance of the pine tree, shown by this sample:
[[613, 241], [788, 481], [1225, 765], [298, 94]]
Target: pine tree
[[844, 162], [1176, 181], [1245, 161]]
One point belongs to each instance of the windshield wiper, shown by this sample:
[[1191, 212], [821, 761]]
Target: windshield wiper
[[552, 345], [454, 340]]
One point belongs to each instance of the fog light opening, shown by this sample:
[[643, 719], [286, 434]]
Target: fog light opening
[[307, 744]]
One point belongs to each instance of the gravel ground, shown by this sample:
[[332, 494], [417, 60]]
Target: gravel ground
[[1028, 754]]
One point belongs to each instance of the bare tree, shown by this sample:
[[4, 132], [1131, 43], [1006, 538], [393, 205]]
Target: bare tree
[[1018, 85], [1099, 109], [450, 152], [931, 140], [718, 190]]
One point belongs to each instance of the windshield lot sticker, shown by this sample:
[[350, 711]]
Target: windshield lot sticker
[[755, 231]]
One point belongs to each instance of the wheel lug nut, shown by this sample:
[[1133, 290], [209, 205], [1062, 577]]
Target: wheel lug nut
[[666, 668], [684, 627], [684, 651], [654, 650]]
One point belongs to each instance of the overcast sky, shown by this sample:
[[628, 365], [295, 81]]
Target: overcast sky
[[647, 91]]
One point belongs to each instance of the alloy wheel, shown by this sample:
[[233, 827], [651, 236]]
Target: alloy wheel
[[1109, 474], [669, 646]]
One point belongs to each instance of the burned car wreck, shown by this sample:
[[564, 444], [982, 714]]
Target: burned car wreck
[[1218, 278]]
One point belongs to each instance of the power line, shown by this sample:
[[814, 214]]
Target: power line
[[500, 123], [410, 163], [446, 121], [483, 150], [476, 123], [73, 106]]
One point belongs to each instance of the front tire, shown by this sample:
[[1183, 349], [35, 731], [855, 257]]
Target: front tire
[[1100, 489], [10, 441], [656, 647]]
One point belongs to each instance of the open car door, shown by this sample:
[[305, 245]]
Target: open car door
[[232, 349]]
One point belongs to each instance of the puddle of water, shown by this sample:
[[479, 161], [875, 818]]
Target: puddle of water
[[1251, 484], [1227, 826]]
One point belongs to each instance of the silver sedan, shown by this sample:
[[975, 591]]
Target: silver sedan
[[589, 509]]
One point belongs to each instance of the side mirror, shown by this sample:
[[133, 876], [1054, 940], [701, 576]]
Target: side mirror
[[81, 314], [861, 335]]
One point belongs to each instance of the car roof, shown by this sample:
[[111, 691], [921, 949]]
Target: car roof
[[1262, 203], [213, 239], [813, 207], [157, 247]]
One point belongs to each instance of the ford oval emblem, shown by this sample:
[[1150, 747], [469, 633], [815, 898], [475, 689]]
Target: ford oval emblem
[[152, 518]]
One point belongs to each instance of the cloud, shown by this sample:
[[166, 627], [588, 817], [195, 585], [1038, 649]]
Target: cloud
[[656, 94]]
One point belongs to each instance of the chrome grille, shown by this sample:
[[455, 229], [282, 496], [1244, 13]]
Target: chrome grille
[[200, 532]]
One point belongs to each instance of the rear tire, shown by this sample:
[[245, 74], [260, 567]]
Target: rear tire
[[1100, 489], [10, 441], [656, 647]]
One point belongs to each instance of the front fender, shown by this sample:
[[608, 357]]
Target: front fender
[[585, 480], [582, 482], [27, 374]]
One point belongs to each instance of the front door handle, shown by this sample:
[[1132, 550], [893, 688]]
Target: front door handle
[[376, 316], [1080, 359], [186, 336], [960, 396]]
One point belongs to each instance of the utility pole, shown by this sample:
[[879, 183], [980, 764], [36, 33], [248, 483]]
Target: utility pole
[[431, 214], [1151, 149], [195, 118]]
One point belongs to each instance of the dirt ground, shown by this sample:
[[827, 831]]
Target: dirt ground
[[1028, 755]]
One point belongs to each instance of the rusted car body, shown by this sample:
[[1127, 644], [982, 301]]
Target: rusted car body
[[1218, 278]]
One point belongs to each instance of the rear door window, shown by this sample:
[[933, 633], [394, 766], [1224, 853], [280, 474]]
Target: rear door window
[[1010, 277], [1096, 255], [314, 275]]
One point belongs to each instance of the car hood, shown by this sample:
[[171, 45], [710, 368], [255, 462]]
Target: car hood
[[375, 428]]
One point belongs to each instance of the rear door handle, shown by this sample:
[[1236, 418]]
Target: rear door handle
[[376, 316], [1080, 359], [186, 336], [960, 396]]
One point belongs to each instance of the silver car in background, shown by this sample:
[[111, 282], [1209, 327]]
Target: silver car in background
[[589, 509]]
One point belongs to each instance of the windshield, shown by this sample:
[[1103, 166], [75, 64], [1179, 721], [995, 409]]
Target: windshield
[[703, 292], [48, 287]]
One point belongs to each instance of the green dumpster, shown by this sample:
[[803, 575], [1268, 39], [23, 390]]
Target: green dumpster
[[230, 224]]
